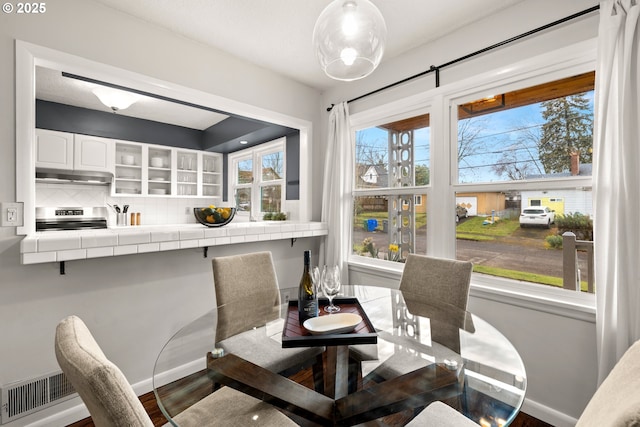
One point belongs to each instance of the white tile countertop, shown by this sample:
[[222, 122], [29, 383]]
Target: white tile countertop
[[58, 246]]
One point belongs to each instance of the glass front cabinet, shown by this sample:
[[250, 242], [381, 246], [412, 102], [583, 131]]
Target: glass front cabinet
[[155, 170]]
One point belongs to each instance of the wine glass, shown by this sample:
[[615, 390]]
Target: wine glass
[[331, 286], [316, 279]]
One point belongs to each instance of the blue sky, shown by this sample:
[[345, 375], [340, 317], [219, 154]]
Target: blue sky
[[495, 133]]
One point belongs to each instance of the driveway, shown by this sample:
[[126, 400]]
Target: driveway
[[524, 250]]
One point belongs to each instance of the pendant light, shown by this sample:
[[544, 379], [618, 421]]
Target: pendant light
[[349, 38]]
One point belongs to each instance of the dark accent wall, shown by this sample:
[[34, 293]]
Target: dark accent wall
[[225, 177], [293, 166], [67, 118]]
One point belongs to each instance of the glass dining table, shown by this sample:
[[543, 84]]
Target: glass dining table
[[404, 354]]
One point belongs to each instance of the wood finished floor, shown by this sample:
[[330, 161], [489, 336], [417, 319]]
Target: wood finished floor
[[306, 378]]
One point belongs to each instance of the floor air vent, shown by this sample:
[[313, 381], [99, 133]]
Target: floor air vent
[[28, 396]]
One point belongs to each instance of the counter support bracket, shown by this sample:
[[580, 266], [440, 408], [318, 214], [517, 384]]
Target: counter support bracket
[[293, 240], [205, 251], [62, 272]]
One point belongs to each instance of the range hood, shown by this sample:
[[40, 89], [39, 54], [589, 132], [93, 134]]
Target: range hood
[[61, 176]]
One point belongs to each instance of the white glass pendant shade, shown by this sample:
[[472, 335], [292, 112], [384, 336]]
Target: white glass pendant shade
[[349, 38], [114, 98]]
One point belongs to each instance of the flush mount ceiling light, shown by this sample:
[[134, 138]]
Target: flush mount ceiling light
[[114, 98], [349, 38]]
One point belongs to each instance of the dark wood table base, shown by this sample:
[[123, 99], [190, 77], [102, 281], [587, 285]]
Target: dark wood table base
[[410, 391]]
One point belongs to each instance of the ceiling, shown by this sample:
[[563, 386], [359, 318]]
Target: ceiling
[[274, 34]]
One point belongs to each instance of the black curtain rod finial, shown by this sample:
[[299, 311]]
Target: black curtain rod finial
[[330, 108]]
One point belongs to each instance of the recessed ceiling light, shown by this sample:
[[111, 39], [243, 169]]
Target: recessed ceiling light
[[243, 142]]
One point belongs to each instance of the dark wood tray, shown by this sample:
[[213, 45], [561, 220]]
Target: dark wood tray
[[295, 335]]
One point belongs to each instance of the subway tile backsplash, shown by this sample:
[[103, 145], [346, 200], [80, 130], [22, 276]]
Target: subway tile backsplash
[[154, 210]]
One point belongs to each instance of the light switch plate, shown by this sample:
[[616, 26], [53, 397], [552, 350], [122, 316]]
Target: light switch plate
[[11, 214]]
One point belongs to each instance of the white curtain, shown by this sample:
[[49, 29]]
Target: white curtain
[[336, 199], [617, 182]]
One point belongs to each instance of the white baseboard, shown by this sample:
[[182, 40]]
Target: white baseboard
[[547, 414]]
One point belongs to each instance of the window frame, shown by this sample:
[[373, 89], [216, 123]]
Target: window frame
[[441, 239], [256, 154], [415, 190]]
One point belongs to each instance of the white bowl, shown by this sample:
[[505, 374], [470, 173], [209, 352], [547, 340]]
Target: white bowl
[[156, 162], [337, 323], [127, 159], [157, 191]]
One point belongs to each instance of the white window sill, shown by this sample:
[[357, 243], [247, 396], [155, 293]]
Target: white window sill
[[549, 299]]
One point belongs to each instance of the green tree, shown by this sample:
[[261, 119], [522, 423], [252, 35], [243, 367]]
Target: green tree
[[568, 128], [422, 175]]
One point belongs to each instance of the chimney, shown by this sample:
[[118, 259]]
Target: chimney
[[575, 163]]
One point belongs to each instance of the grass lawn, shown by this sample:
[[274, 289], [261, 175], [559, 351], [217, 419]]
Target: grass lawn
[[524, 276], [475, 229]]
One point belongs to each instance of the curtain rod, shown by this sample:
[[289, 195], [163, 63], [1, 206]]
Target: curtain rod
[[437, 68]]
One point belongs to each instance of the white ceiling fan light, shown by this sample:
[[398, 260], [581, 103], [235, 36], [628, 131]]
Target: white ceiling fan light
[[114, 98], [349, 38]]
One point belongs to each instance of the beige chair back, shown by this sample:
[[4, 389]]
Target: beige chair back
[[101, 385], [247, 293], [428, 279], [616, 403]]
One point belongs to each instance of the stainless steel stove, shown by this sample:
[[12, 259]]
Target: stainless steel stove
[[70, 218]]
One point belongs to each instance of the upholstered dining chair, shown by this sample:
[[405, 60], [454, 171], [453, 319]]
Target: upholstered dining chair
[[248, 296], [112, 402], [425, 280], [440, 415], [616, 403]]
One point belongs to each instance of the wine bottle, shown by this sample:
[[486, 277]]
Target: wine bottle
[[307, 296]]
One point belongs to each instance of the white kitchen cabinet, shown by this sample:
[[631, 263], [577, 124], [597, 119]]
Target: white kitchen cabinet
[[139, 169], [187, 173], [93, 153], [54, 150], [211, 174], [129, 176], [160, 169], [62, 150], [150, 170]]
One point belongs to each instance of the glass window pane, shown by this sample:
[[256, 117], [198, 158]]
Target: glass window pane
[[271, 198], [272, 166], [518, 234], [390, 227], [245, 172], [394, 154], [243, 199], [544, 131]]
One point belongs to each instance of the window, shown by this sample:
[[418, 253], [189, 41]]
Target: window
[[508, 144], [257, 178], [392, 177], [520, 149]]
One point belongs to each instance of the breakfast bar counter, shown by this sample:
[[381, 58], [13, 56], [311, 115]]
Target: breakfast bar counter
[[59, 246]]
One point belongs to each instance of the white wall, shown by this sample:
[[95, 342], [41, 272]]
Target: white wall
[[558, 348], [133, 304]]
